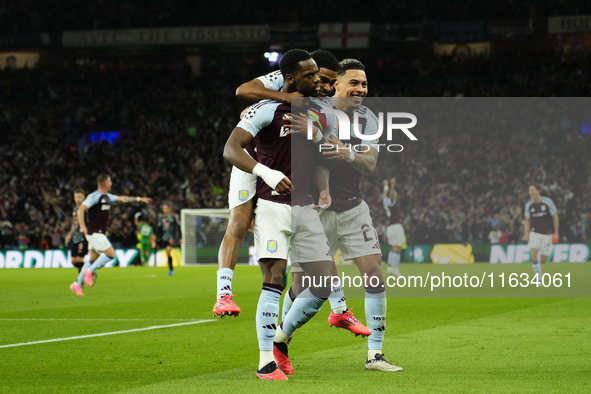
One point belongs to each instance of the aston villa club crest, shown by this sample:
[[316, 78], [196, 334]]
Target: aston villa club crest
[[243, 195], [543, 208], [272, 246]]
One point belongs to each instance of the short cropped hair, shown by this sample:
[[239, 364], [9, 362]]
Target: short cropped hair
[[289, 63], [102, 178], [350, 64], [325, 59]]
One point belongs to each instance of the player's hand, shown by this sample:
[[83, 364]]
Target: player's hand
[[83, 230], [555, 238], [385, 182], [284, 187], [392, 182], [339, 153], [324, 201], [251, 227], [146, 200], [525, 238], [289, 96], [298, 125]]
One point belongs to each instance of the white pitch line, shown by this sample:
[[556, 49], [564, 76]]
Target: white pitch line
[[105, 333], [67, 319]]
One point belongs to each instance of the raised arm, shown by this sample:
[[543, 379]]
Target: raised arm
[[126, 199], [235, 154], [255, 90], [364, 162]]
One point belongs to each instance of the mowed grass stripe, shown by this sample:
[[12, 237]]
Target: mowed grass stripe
[[437, 341]]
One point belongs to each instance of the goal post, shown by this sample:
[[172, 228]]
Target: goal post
[[203, 231]]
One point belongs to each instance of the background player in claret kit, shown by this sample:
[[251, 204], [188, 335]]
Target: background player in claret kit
[[394, 231], [147, 237], [243, 184], [541, 219], [98, 205], [78, 244], [169, 234]]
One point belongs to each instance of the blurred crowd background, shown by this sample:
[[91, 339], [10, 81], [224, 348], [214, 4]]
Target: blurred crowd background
[[58, 15], [453, 187]]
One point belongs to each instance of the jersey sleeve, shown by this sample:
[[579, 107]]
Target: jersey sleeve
[[112, 197], [552, 207], [91, 200], [257, 117], [272, 81]]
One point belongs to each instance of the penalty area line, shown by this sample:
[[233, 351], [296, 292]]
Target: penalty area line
[[106, 333]]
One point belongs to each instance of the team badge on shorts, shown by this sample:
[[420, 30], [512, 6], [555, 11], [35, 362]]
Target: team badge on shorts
[[243, 195], [272, 246]]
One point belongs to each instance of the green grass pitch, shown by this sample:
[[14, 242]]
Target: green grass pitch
[[446, 345]]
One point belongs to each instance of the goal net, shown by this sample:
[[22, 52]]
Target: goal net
[[203, 231]]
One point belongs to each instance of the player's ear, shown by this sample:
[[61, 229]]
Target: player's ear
[[290, 79]]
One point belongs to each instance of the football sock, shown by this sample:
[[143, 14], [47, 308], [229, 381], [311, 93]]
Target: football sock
[[371, 353], [280, 335], [266, 320], [265, 358], [305, 306], [170, 263], [225, 276], [393, 259], [537, 269], [337, 300], [287, 302], [80, 279], [375, 315], [100, 262]]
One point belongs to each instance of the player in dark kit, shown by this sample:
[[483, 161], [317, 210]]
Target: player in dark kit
[[169, 234], [98, 205], [79, 245], [541, 217]]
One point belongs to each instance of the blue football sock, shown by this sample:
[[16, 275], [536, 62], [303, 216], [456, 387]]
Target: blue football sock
[[225, 276], [287, 303], [337, 300], [375, 315], [393, 259], [537, 269], [80, 279], [100, 262], [305, 306], [267, 315]]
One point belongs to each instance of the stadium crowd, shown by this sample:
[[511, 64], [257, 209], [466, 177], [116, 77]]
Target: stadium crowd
[[454, 187], [32, 16]]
